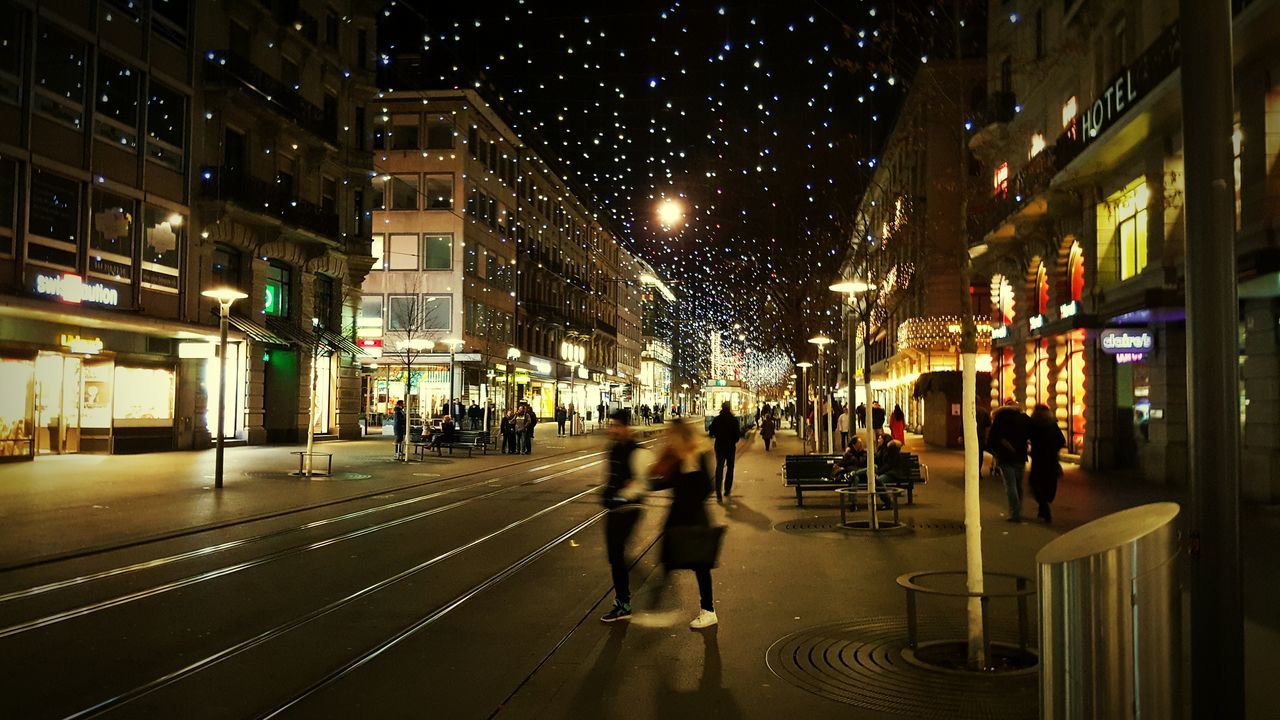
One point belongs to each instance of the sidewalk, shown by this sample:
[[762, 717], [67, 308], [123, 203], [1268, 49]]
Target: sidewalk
[[60, 505], [792, 590]]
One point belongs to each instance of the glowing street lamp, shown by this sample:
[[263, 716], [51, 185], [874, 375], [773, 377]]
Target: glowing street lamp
[[225, 296], [670, 213], [804, 401]]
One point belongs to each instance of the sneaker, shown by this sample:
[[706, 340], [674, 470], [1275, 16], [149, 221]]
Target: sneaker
[[620, 611], [705, 619]]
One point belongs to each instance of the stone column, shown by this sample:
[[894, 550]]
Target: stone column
[[1163, 458]]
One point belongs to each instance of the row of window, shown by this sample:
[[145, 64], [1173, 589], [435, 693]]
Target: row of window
[[410, 314], [487, 322], [410, 251], [278, 286], [413, 192], [480, 264], [56, 229], [406, 131], [120, 91], [499, 163]]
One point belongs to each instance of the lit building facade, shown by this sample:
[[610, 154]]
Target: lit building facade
[[658, 335], [113, 120], [914, 201], [1080, 238]]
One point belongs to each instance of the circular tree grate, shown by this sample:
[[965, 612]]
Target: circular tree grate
[[861, 663]]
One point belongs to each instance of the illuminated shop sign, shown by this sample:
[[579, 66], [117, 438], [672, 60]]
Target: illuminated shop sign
[[81, 345], [1036, 322], [1132, 83], [1130, 357], [543, 367], [1000, 333], [1066, 310], [1117, 341], [73, 289]]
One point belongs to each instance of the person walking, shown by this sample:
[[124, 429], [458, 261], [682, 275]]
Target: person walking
[[1046, 442], [600, 411], [689, 542], [531, 423], [561, 416], [400, 423], [767, 427], [1007, 441], [898, 424], [862, 416], [626, 478], [877, 419], [726, 431], [842, 427]]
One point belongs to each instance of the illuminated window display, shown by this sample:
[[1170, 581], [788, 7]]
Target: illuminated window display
[[324, 393], [233, 411], [144, 397], [17, 377]]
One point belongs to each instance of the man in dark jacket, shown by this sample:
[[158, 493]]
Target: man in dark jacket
[[727, 432], [877, 419], [401, 427], [625, 479], [1007, 442]]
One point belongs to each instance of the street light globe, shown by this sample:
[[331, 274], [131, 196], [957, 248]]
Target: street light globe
[[224, 295], [821, 340], [670, 213], [850, 287], [451, 342], [804, 365]]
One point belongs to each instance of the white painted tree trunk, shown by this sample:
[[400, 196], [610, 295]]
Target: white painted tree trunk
[[870, 443], [972, 507], [311, 412]]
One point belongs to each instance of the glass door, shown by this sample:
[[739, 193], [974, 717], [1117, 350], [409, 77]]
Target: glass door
[[58, 391]]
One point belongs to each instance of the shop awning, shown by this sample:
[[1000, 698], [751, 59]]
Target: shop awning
[[255, 331], [339, 343], [290, 332]]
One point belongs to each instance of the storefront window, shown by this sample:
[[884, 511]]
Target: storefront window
[[324, 391], [143, 397], [278, 288], [17, 377], [165, 236], [111, 241]]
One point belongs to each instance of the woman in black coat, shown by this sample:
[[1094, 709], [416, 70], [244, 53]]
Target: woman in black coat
[[685, 470], [1046, 442]]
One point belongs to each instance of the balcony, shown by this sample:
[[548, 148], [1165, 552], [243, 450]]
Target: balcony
[[997, 108], [226, 69], [264, 197]]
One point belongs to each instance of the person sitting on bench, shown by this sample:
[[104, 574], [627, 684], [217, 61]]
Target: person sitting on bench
[[446, 434], [888, 467], [853, 462]]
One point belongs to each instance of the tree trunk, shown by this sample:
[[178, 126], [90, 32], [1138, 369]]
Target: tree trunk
[[972, 507], [870, 426]]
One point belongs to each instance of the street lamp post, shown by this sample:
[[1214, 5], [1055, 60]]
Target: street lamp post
[[852, 288], [804, 403], [453, 344], [225, 296], [822, 342]]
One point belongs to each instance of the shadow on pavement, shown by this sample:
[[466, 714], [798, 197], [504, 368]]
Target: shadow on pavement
[[740, 512], [709, 699]]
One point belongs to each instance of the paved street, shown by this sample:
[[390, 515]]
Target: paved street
[[473, 594]]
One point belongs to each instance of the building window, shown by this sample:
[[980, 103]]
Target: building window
[[439, 134], [1039, 33], [402, 252], [1037, 144], [166, 126], [362, 48], [370, 311], [440, 192], [328, 196], [402, 312], [290, 74], [404, 192], [471, 261], [116, 101], [331, 25], [161, 248], [404, 132], [12, 53], [226, 266], [60, 69], [286, 182], [1041, 288], [53, 219], [323, 290], [275, 300], [1130, 210], [437, 313], [172, 15], [375, 249], [111, 242], [362, 142], [8, 203], [362, 215], [437, 252], [501, 273], [1000, 180]]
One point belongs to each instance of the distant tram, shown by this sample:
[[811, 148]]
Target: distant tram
[[742, 401]]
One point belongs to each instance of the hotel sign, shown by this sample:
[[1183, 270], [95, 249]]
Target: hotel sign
[[71, 288], [1132, 83]]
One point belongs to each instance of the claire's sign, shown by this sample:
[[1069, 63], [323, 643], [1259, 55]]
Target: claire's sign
[[1118, 341]]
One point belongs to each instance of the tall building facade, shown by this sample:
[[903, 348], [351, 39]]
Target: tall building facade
[[479, 243], [659, 328], [108, 231], [913, 205], [1082, 234]]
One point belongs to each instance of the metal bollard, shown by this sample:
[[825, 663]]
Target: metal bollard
[[1111, 619]]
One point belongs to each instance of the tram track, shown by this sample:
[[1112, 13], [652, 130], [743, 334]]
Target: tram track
[[242, 542], [160, 589], [282, 629]]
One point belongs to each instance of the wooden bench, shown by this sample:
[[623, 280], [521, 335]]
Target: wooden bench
[[469, 440], [813, 472]]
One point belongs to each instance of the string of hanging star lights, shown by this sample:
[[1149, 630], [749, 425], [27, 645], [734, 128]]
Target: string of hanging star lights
[[761, 119]]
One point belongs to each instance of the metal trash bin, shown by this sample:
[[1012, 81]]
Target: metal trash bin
[[1111, 618]]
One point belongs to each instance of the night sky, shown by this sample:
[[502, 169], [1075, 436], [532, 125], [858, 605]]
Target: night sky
[[762, 117]]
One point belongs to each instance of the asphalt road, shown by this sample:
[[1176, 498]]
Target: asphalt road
[[435, 601]]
